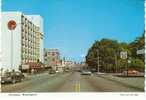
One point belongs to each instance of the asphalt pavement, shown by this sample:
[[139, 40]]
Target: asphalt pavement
[[66, 82]]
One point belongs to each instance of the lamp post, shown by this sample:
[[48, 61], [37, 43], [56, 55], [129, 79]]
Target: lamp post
[[11, 27], [116, 62], [128, 62], [98, 60]]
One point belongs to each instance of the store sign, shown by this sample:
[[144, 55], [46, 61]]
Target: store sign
[[140, 51], [123, 55], [11, 25], [24, 67]]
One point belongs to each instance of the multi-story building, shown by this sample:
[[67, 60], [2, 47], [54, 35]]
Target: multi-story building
[[37, 20], [67, 64], [24, 44], [52, 58]]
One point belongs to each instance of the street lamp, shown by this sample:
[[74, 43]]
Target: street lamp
[[128, 62], [116, 62], [98, 60]]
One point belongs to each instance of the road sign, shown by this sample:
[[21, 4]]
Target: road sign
[[129, 61], [11, 25], [141, 51], [123, 55]]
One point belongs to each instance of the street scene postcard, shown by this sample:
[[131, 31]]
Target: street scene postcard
[[72, 46]]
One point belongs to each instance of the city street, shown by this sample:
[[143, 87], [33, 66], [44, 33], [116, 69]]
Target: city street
[[72, 46], [67, 82]]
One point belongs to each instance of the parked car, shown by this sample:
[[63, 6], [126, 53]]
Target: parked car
[[12, 77], [85, 72], [130, 72]]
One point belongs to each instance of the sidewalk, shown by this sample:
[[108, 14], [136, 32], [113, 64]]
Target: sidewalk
[[134, 82]]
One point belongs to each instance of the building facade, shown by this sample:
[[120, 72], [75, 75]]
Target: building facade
[[38, 20], [52, 58], [24, 44]]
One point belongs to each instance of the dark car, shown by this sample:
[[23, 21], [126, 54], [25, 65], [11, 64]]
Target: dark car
[[52, 72], [12, 77]]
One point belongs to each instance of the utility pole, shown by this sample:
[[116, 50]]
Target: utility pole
[[116, 63], [98, 60]]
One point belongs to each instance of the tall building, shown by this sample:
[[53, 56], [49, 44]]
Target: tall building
[[52, 58], [24, 44], [37, 20]]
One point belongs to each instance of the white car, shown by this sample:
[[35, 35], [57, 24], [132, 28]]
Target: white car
[[86, 72], [99, 73]]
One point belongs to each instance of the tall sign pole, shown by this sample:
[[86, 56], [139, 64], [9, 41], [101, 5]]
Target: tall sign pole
[[11, 27], [123, 55]]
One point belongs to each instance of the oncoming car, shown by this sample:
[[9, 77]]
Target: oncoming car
[[85, 72]]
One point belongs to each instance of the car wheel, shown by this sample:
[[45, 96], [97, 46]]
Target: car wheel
[[2, 82]]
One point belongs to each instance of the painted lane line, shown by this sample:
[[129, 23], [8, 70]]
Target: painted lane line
[[77, 87]]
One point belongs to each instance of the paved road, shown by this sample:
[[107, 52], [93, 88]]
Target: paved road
[[67, 82]]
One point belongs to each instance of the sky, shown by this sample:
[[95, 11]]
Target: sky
[[72, 26]]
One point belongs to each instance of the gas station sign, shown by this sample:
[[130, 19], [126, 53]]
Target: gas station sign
[[11, 25]]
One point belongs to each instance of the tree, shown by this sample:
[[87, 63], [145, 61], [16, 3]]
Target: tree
[[109, 54], [137, 44], [107, 50], [137, 64]]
